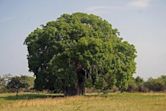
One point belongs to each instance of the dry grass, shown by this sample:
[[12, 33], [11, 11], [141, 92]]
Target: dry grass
[[111, 102]]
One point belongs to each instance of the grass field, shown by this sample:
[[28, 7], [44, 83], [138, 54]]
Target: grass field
[[110, 102]]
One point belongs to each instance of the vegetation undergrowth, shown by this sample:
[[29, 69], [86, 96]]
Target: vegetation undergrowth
[[89, 102]]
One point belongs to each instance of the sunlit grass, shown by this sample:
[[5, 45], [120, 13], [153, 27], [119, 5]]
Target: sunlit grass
[[90, 102]]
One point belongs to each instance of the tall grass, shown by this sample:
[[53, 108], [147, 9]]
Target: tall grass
[[110, 102]]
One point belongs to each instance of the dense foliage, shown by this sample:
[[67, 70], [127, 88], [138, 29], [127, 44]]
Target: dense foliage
[[78, 51]]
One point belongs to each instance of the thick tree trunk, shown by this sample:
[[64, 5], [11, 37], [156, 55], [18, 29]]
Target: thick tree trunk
[[79, 88], [70, 91], [16, 92], [81, 82]]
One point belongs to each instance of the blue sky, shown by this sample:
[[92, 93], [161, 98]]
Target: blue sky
[[141, 22]]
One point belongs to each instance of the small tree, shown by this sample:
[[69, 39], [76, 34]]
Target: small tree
[[16, 83]]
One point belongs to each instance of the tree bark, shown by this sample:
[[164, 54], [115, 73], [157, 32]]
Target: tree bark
[[81, 82], [16, 92], [79, 88], [70, 91]]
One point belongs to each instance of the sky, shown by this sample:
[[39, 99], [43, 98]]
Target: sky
[[141, 22]]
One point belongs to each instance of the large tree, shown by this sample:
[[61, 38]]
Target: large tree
[[75, 49]]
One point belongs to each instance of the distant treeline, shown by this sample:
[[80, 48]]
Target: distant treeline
[[25, 83], [152, 84]]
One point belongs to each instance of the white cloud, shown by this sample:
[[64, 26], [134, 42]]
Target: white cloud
[[126, 6], [140, 3], [104, 10], [97, 9], [100, 10]]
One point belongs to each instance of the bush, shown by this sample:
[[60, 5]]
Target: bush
[[132, 86], [158, 84]]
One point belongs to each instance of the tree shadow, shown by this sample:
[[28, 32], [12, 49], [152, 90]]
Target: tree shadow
[[31, 96], [95, 95]]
